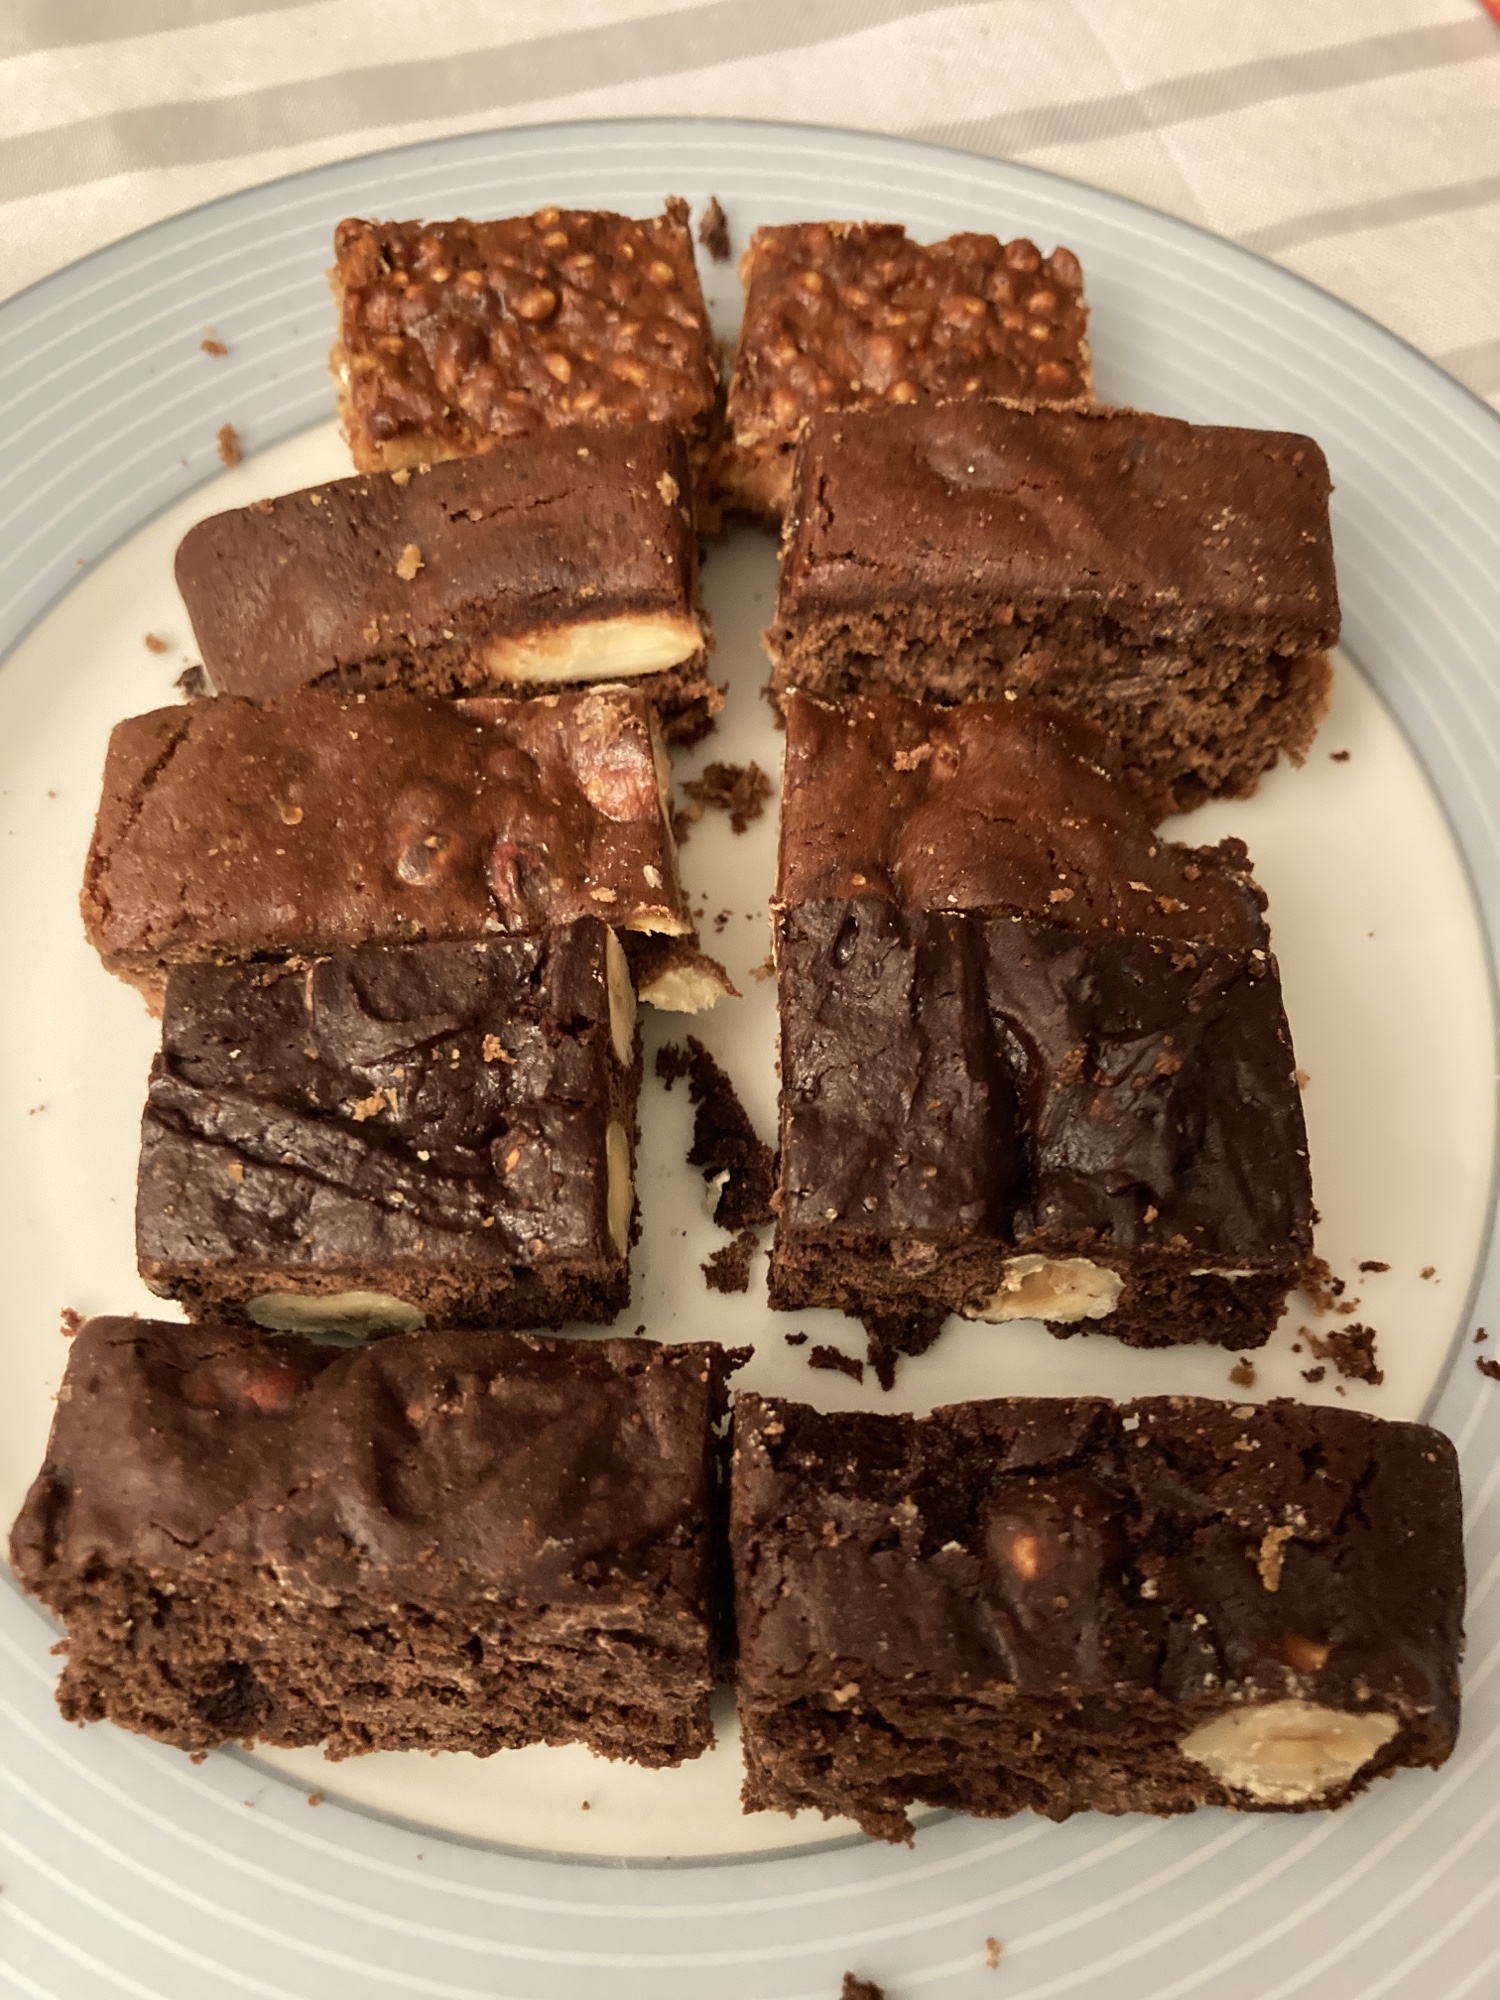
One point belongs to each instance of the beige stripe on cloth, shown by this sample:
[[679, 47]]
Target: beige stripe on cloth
[[1357, 141]]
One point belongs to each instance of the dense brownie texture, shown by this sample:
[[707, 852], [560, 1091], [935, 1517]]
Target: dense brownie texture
[[438, 1132], [854, 315], [439, 1542], [454, 336], [1034, 1060], [1173, 582], [324, 820], [1068, 1606], [548, 562]]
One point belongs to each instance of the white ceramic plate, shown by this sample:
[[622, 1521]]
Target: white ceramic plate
[[127, 1868]]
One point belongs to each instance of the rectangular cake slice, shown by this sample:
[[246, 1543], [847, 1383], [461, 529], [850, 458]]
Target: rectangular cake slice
[[443, 1541], [854, 315], [1034, 1060], [1074, 1606], [550, 561], [438, 1133], [455, 336], [325, 820], [1174, 582]]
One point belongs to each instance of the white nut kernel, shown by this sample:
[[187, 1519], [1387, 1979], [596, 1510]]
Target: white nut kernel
[[1064, 1289], [620, 1198], [621, 1000], [335, 1312], [594, 649], [1286, 1752]]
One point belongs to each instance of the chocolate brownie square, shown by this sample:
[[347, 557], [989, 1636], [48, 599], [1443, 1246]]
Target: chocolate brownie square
[[443, 1541], [1034, 1060], [1173, 582], [455, 336], [1074, 1606], [323, 820], [548, 562], [854, 315], [434, 1134]]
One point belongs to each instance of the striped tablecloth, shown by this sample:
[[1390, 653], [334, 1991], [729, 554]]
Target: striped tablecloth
[[1355, 141]]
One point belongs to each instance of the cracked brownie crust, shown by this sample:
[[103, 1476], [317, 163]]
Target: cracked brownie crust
[[1068, 1605], [1172, 582], [442, 1132], [549, 561], [463, 1541], [323, 821], [854, 315], [454, 336]]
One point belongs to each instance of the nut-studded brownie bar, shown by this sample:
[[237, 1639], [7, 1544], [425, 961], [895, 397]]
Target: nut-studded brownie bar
[[326, 820], [464, 1541], [551, 561], [454, 336], [1172, 581], [854, 315], [438, 1133], [1072, 1606], [1034, 1061]]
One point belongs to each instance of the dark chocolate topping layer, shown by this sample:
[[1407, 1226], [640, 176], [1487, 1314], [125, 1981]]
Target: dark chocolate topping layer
[[1006, 805], [547, 531], [324, 821], [1174, 531], [440, 1469], [1075, 1547], [453, 1096]]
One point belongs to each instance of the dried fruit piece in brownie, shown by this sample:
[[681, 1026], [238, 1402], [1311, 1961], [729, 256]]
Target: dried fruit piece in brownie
[[438, 1133], [1174, 582], [547, 562], [1034, 1061], [446, 1541], [323, 820], [1075, 1606], [854, 315], [454, 336]]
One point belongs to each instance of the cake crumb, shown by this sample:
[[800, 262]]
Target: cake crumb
[[1373, 1264], [1480, 1335], [724, 1140], [795, 1339], [1487, 1367], [765, 970], [684, 819], [741, 790], [1351, 1349], [837, 1362], [155, 644], [584, 1807], [315, 1798], [410, 563], [211, 343], [992, 1951], [713, 230], [1242, 1374], [69, 1322], [1338, 756], [1313, 1374], [728, 1270], [1429, 1270], [192, 682], [1322, 1288], [859, 1989], [230, 448]]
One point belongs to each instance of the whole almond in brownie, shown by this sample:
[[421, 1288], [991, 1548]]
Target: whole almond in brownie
[[1173, 582], [1034, 1060], [444, 1541], [854, 315], [547, 563], [456, 335], [1070, 1605]]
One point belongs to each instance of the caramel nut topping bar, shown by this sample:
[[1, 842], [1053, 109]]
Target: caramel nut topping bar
[[454, 336], [448, 1541], [1066, 1605], [853, 315], [323, 821], [397, 1134], [1034, 1060], [1174, 582], [553, 559]]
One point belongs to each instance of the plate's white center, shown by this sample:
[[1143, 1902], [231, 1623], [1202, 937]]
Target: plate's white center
[[1385, 983]]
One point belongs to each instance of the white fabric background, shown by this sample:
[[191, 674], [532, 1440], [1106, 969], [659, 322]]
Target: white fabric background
[[1356, 141]]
